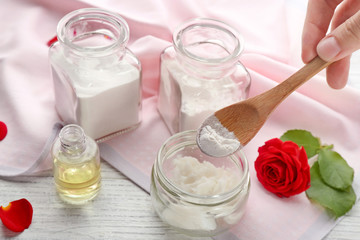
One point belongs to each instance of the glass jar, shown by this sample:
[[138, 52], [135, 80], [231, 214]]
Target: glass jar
[[97, 80], [201, 73], [76, 166], [196, 194]]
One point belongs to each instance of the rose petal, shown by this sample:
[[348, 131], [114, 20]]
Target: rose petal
[[3, 130], [17, 216], [275, 142], [303, 158], [52, 41]]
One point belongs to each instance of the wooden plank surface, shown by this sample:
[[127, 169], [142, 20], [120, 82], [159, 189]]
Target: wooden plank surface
[[121, 211]]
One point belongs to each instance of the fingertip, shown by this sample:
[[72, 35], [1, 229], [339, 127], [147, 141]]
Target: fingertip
[[337, 73], [336, 83], [307, 56], [308, 51], [310, 38]]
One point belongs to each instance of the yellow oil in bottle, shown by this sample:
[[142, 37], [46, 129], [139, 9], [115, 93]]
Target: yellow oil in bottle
[[76, 166], [77, 183]]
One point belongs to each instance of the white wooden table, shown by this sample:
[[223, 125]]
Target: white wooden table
[[121, 211]]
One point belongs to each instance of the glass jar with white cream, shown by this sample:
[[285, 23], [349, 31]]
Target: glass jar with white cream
[[196, 194], [97, 79], [201, 73]]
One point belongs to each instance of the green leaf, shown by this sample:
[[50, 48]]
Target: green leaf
[[334, 169], [336, 201], [303, 138]]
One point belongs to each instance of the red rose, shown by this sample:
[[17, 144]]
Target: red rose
[[283, 168]]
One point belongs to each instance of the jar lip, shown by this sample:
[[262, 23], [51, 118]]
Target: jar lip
[[80, 14], [211, 23], [205, 199]]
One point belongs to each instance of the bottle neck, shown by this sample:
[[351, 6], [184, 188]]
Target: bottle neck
[[72, 140], [207, 48]]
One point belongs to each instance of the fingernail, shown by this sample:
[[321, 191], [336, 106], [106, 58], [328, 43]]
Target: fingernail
[[328, 48]]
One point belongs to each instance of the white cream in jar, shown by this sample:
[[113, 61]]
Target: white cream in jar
[[202, 178], [194, 193]]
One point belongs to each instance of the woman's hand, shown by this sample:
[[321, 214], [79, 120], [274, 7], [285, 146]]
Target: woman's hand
[[341, 41]]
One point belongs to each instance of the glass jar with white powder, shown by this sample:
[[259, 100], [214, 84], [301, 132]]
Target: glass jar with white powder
[[201, 73], [194, 193], [97, 79]]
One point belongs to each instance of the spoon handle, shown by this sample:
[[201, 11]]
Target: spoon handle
[[285, 88]]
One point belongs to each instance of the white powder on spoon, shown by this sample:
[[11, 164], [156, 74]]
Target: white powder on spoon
[[215, 140]]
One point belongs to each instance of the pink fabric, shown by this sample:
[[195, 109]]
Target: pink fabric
[[272, 33]]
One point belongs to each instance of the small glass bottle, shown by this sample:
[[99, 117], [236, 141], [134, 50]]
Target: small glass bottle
[[194, 193], [97, 79], [76, 165], [201, 73]]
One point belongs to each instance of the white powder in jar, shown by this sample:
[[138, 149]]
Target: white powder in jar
[[195, 98], [107, 100]]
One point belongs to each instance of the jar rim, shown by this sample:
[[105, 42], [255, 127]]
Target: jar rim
[[111, 17], [209, 23], [205, 199]]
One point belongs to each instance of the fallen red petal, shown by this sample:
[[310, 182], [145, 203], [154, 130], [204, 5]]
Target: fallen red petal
[[3, 130], [52, 41], [17, 216]]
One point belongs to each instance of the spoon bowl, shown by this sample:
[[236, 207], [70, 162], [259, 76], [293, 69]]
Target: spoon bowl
[[244, 119]]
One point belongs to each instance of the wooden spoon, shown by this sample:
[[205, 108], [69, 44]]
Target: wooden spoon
[[244, 119]]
